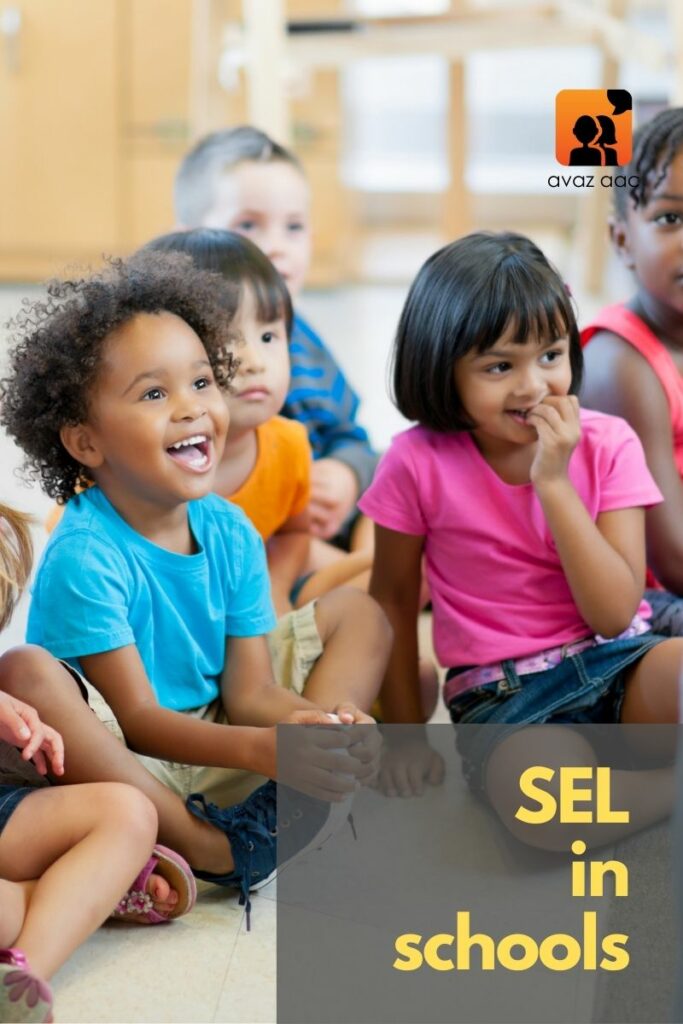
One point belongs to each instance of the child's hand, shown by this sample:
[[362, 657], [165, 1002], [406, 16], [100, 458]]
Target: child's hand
[[21, 726], [366, 742], [407, 765], [556, 419], [316, 760], [349, 714], [334, 491]]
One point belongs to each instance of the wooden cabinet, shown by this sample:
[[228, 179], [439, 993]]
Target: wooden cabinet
[[94, 117], [100, 99], [155, 132], [60, 110]]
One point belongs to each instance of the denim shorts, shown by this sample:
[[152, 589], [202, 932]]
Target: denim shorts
[[586, 688], [10, 798], [667, 612]]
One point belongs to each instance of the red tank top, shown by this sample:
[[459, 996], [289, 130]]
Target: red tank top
[[622, 321]]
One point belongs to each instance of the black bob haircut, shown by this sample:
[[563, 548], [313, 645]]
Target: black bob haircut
[[655, 145], [464, 298], [238, 261], [58, 343]]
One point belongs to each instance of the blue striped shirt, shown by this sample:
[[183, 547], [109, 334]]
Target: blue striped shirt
[[321, 398]]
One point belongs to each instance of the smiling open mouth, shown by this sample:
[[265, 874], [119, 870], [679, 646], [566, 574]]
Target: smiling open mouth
[[521, 414], [193, 452]]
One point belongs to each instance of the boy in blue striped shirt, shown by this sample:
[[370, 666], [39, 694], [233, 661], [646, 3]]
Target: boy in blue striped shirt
[[241, 180]]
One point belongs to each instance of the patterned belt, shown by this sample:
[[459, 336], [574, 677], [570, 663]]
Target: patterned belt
[[460, 682]]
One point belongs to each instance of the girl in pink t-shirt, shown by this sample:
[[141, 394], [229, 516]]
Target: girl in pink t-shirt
[[530, 515]]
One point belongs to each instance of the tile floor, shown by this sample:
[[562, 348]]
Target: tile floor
[[206, 967]]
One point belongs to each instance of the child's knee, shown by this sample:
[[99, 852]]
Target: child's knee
[[129, 810], [349, 608], [23, 670]]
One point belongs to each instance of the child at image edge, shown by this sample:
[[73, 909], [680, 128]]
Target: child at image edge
[[154, 590], [537, 575], [634, 350], [66, 853]]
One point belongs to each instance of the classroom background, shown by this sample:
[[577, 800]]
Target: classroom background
[[416, 121]]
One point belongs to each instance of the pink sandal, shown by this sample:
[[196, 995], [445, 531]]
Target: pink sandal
[[23, 997], [137, 905]]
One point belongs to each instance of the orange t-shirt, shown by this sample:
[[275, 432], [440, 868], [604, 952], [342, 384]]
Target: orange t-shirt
[[279, 486]]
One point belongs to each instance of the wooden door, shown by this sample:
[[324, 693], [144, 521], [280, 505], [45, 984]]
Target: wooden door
[[60, 195]]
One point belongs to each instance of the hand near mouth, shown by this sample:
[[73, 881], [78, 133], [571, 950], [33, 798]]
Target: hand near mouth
[[556, 420]]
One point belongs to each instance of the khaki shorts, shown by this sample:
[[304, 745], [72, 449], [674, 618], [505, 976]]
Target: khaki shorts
[[295, 646]]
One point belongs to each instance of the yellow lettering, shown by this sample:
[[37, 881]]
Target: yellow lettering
[[578, 869], [405, 946], [590, 940], [545, 800], [554, 963], [570, 795], [600, 868], [523, 963], [465, 941], [614, 946], [605, 812], [431, 955]]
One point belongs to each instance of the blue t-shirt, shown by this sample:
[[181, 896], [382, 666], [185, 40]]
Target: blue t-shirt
[[100, 585]]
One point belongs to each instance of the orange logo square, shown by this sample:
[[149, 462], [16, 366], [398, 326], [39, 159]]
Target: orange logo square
[[593, 127]]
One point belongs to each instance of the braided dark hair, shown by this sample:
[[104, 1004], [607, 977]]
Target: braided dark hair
[[655, 145]]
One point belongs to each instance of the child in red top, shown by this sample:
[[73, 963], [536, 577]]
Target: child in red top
[[634, 353]]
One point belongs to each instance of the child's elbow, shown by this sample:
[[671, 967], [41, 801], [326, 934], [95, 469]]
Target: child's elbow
[[612, 622]]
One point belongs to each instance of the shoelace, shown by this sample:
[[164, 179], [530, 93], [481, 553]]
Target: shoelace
[[252, 828], [253, 822]]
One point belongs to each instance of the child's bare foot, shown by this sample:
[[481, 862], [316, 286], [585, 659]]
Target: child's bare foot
[[14, 900], [163, 896], [164, 889]]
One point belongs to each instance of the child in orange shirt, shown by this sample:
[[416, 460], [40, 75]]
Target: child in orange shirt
[[266, 465]]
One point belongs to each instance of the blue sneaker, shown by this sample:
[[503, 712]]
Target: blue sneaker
[[259, 847], [251, 829], [305, 824]]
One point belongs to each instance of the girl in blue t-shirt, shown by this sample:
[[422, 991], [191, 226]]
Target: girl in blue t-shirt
[[155, 591], [67, 853]]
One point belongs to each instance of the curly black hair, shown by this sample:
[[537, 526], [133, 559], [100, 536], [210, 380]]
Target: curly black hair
[[57, 344], [655, 145]]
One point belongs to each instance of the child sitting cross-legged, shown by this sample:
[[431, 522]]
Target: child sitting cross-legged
[[155, 591], [66, 854]]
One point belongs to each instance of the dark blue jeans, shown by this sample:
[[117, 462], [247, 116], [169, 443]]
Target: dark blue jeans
[[583, 689]]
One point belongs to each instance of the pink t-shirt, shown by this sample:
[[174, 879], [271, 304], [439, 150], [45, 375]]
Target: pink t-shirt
[[497, 585]]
